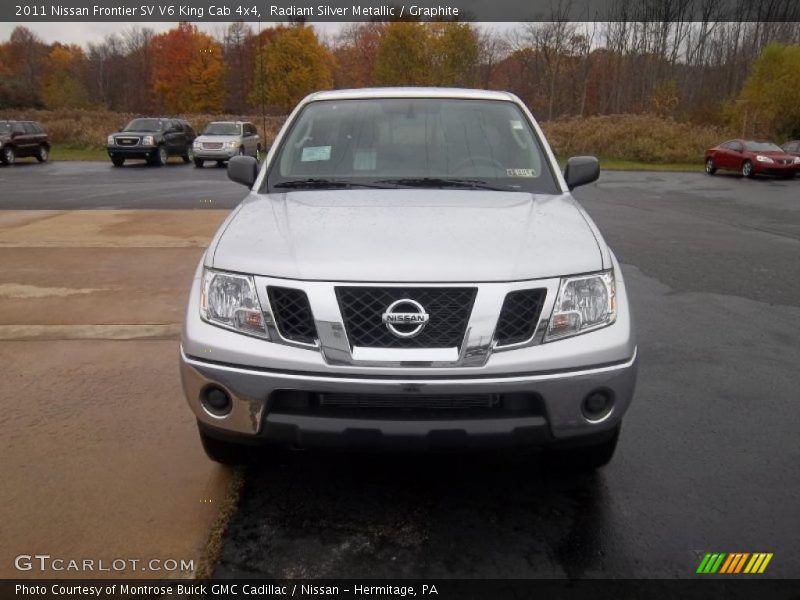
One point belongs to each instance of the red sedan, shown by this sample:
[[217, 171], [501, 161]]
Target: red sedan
[[750, 158]]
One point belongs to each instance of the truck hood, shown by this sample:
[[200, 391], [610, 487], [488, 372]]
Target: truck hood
[[408, 235]]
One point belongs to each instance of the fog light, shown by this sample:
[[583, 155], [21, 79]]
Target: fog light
[[597, 405], [216, 401]]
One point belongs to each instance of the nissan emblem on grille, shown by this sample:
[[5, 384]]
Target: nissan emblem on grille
[[405, 323]]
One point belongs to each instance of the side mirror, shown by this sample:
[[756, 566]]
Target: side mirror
[[581, 170], [243, 169]]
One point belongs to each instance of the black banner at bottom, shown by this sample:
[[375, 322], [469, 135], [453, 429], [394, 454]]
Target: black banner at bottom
[[439, 589]]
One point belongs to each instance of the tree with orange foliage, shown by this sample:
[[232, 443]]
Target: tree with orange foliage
[[187, 72], [63, 80], [356, 54]]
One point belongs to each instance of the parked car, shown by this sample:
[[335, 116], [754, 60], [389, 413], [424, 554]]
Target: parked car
[[410, 269], [750, 158], [222, 140], [19, 139], [792, 147], [153, 139]]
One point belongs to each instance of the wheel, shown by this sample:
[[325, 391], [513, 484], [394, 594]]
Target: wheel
[[226, 453], [241, 151], [220, 163], [118, 161], [747, 169], [43, 153], [8, 156], [586, 458], [160, 157], [710, 167], [189, 156], [199, 162]]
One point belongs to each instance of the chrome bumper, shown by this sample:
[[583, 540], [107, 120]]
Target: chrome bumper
[[562, 393]]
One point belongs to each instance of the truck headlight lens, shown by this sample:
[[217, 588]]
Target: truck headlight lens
[[764, 159], [583, 304], [148, 140], [110, 140], [231, 301], [231, 145]]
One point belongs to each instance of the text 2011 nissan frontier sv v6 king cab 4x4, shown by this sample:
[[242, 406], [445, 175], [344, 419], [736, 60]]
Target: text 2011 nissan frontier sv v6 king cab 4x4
[[410, 270]]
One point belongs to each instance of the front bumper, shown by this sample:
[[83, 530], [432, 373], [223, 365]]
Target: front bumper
[[222, 154], [131, 151], [561, 392]]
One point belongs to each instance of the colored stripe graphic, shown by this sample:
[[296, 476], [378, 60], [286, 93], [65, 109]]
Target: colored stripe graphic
[[734, 563]]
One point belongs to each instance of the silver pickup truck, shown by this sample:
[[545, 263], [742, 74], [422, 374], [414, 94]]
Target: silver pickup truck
[[410, 270]]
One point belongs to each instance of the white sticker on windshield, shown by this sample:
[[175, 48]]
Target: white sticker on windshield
[[316, 153], [364, 160], [517, 125], [520, 173]]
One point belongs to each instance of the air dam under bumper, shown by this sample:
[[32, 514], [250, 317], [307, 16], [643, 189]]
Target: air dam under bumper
[[562, 394]]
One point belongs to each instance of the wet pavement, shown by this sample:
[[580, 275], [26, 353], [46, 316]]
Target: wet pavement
[[708, 456]]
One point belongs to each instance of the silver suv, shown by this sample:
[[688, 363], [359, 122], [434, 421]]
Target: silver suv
[[222, 140], [410, 269]]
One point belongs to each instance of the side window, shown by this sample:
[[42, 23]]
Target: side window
[[29, 128], [17, 128], [736, 147], [250, 129]]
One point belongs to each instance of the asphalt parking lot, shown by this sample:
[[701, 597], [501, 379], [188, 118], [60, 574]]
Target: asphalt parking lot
[[708, 456]]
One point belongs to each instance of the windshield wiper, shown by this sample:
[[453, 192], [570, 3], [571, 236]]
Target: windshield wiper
[[477, 184], [315, 183]]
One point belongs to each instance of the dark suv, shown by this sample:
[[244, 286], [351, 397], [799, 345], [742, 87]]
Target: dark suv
[[23, 138], [153, 139]]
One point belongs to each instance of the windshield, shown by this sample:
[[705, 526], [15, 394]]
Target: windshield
[[145, 125], [763, 147], [221, 129], [5, 128], [414, 142]]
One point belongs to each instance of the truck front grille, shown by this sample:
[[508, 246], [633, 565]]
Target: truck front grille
[[292, 312], [128, 141], [449, 310], [519, 316]]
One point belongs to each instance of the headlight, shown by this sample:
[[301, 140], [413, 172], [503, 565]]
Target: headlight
[[584, 303], [764, 159], [196, 144], [110, 140], [797, 160], [148, 140], [231, 145], [231, 301]]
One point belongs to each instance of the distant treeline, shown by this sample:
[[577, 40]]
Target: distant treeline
[[744, 75]]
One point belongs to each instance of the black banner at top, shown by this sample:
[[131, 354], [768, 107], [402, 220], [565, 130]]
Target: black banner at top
[[29, 11]]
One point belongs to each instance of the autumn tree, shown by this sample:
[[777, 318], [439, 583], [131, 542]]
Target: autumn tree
[[24, 56], [455, 51], [404, 56], [770, 94], [63, 81], [239, 49], [356, 54], [187, 70], [292, 64]]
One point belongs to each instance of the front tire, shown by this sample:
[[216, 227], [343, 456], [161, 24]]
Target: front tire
[[43, 154], [189, 156], [586, 458], [747, 169], [226, 453], [8, 156], [199, 162], [160, 157], [711, 168], [117, 161]]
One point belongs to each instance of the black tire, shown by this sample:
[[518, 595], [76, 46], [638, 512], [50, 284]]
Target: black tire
[[747, 169], [160, 157], [117, 161], [8, 156], [220, 163], [43, 153], [189, 156], [586, 458], [226, 453], [711, 168], [199, 162]]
